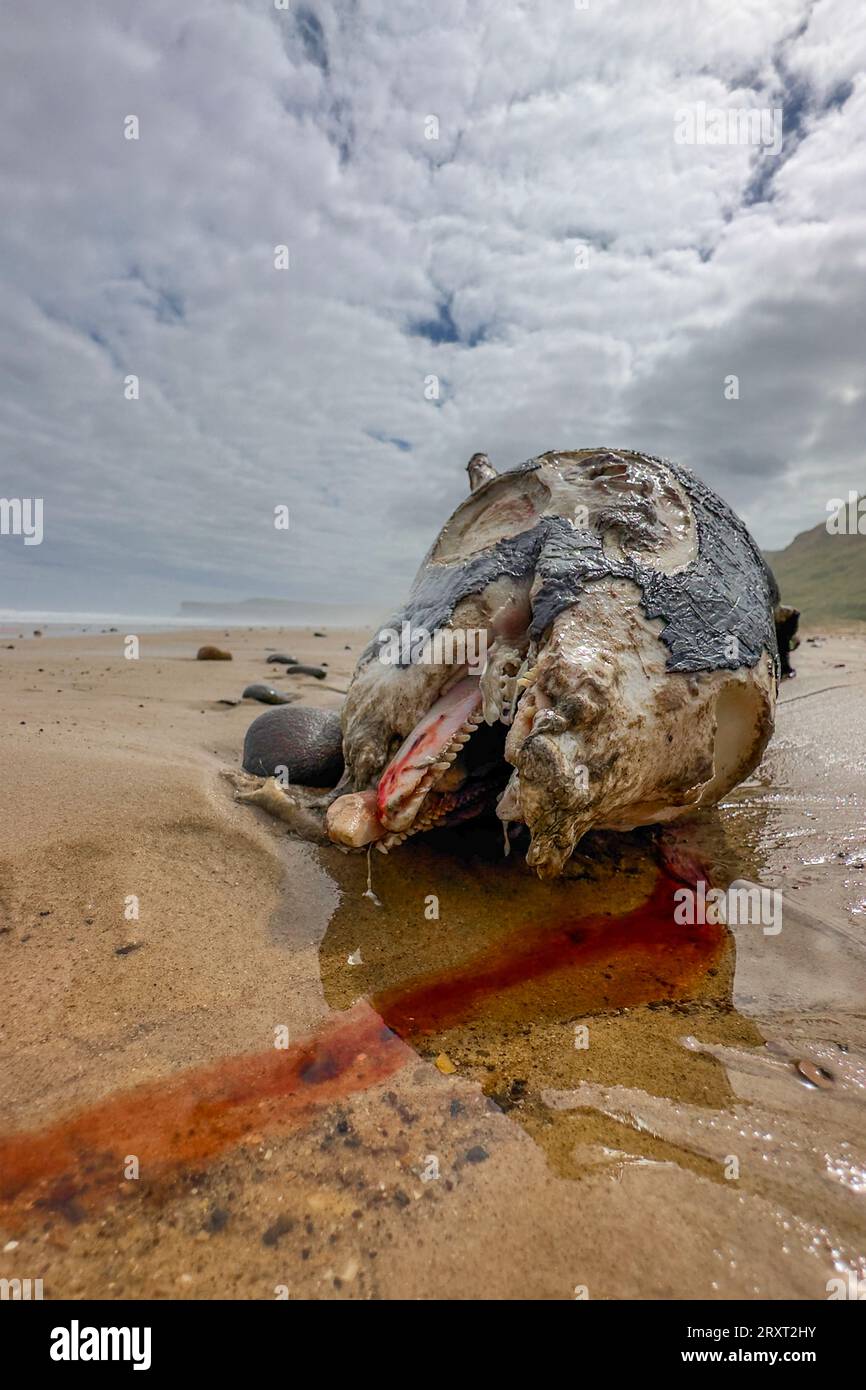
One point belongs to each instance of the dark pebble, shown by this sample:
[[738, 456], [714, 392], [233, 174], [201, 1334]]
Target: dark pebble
[[284, 660], [477, 1154], [297, 670], [266, 695], [307, 742]]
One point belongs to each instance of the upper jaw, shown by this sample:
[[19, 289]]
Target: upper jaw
[[427, 754], [383, 705], [403, 732], [406, 728]]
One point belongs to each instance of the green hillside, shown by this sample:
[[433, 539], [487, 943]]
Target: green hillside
[[823, 575]]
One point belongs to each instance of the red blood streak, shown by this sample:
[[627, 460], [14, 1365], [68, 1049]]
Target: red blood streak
[[194, 1115], [646, 943]]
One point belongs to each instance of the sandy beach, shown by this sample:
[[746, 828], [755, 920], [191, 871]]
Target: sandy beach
[[229, 1073]]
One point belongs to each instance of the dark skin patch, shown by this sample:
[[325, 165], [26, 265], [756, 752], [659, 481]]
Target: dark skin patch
[[727, 591]]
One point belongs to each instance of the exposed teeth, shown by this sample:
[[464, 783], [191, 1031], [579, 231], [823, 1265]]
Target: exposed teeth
[[447, 756], [528, 677], [390, 841], [426, 818]]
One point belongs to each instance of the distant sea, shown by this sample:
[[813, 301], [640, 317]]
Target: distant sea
[[21, 622]]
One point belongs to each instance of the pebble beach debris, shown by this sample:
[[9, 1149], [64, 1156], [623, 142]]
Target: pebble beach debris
[[814, 1075], [266, 695], [209, 653], [297, 670], [444, 1064]]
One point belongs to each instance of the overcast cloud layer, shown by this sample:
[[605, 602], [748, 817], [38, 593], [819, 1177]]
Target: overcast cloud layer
[[410, 257]]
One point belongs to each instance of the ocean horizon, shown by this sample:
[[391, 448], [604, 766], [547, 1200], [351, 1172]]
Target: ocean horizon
[[17, 621]]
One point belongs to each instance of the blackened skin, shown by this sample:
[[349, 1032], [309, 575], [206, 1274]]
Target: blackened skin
[[787, 622], [727, 591], [308, 743]]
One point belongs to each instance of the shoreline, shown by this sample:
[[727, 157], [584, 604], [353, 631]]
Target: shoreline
[[607, 1160]]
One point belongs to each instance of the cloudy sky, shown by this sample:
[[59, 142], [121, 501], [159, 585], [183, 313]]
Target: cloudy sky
[[569, 271]]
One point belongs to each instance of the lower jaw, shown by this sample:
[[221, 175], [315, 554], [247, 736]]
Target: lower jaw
[[448, 729]]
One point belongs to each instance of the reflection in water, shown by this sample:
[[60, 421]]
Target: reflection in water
[[615, 1036], [528, 986], [609, 1032]]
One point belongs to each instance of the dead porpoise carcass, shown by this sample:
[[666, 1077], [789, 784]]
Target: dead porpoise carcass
[[589, 644]]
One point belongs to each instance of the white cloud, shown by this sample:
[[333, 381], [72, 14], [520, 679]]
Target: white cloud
[[307, 127]]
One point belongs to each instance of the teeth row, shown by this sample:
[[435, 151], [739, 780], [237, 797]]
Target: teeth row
[[397, 837], [463, 735], [509, 687], [441, 765], [391, 841], [426, 824]]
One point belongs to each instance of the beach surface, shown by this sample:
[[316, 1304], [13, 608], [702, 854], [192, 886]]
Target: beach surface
[[231, 1071]]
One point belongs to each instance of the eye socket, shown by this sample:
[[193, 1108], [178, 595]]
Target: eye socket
[[549, 721], [504, 507]]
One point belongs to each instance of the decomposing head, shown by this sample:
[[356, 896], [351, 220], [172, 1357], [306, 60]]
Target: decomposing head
[[589, 643]]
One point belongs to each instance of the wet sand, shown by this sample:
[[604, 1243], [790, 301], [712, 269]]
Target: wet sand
[[486, 1087]]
